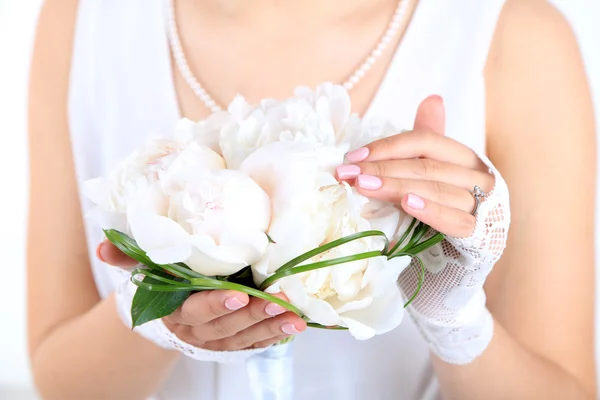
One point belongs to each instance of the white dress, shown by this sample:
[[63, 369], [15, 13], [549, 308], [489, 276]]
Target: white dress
[[122, 92]]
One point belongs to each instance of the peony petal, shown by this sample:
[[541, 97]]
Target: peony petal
[[383, 274], [236, 251], [384, 314], [98, 191], [382, 217], [357, 329], [108, 219], [317, 310], [355, 305], [161, 238]]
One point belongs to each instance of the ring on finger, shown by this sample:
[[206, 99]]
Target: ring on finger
[[478, 195]]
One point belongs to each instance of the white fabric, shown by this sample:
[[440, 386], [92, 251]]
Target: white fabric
[[122, 92]]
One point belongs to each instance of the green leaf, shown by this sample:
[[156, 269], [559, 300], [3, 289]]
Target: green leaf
[[270, 239], [150, 305], [130, 247]]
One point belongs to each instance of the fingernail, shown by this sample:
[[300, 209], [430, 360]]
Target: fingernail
[[357, 155], [289, 329], [369, 182], [414, 201], [274, 309], [233, 304], [347, 171], [437, 97], [99, 251]]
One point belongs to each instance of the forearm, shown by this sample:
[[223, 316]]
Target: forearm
[[95, 356], [507, 370]]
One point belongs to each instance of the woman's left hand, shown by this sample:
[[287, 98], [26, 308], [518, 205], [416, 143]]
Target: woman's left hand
[[431, 176]]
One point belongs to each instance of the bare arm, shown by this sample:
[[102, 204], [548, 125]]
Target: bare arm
[[541, 137], [73, 335]]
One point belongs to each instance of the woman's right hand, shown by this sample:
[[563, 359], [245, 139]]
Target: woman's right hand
[[221, 320]]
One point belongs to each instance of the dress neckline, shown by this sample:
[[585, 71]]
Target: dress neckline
[[396, 64]]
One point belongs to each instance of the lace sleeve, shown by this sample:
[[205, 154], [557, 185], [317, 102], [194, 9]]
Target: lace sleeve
[[450, 309], [156, 332]]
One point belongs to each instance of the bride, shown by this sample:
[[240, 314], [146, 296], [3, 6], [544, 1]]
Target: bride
[[497, 79]]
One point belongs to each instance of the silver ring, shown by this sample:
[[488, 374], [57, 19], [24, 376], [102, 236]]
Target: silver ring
[[478, 195]]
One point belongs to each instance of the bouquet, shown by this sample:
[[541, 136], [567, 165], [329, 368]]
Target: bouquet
[[247, 200]]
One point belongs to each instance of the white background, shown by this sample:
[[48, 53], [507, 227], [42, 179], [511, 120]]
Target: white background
[[17, 20]]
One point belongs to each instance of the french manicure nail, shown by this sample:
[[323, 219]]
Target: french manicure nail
[[274, 309], [414, 201], [233, 304], [347, 171], [369, 182], [289, 329], [357, 155]]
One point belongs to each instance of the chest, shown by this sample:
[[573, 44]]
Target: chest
[[268, 59]]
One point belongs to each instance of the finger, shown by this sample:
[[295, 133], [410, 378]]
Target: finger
[[285, 324], [108, 253], [269, 342], [393, 190], [203, 307], [418, 144], [447, 220], [431, 115], [257, 311], [420, 169]]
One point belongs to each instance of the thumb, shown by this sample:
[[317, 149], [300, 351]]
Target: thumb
[[431, 115], [108, 253]]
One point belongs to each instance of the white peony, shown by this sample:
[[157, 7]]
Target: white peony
[[179, 203], [213, 221], [311, 208], [139, 170]]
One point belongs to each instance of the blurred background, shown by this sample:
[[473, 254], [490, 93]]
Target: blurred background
[[17, 23]]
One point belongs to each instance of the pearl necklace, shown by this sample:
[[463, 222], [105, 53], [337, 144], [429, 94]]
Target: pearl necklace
[[357, 75]]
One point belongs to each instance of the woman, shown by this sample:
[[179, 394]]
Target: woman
[[513, 87]]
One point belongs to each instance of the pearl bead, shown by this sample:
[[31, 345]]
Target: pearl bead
[[181, 62]]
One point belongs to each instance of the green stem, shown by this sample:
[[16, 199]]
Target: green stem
[[419, 283], [417, 235], [432, 241], [403, 238], [165, 288], [321, 264], [331, 328], [326, 247], [224, 285], [154, 276]]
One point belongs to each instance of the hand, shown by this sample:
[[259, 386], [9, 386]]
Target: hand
[[221, 320], [429, 175]]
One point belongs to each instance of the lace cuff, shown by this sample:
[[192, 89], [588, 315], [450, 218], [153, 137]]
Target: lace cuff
[[450, 310], [156, 332]]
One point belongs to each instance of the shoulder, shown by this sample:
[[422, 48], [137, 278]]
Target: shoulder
[[51, 59], [530, 28], [534, 67]]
